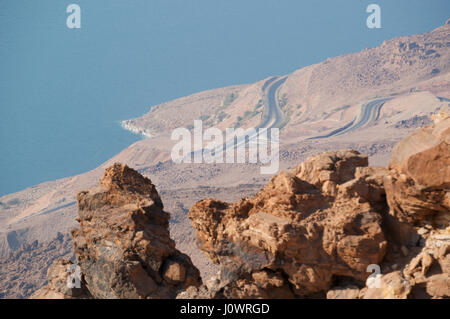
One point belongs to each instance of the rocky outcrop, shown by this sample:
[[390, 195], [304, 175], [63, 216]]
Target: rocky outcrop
[[418, 182], [123, 246], [319, 230], [428, 272], [298, 235], [62, 276], [424, 271], [417, 185], [418, 223]]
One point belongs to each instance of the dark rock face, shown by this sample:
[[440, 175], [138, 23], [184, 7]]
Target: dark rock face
[[123, 244]]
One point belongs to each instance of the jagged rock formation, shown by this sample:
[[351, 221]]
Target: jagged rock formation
[[301, 232], [424, 271], [413, 71], [419, 180], [418, 194], [60, 283], [123, 245], [314, 231]]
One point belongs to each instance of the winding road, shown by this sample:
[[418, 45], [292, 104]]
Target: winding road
[[272, 117], [369, 113]]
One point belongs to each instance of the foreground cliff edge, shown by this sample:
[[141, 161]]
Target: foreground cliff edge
[[316, 231], [123, 246]]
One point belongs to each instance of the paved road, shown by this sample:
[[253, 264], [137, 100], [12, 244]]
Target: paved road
[[369, 113], [272, 116]]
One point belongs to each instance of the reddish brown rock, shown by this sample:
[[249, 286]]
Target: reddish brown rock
[[311, 232], [123, 244], [348, 292], [333, 166], [428, 271], [424, 274], [391, 286], [418, 183], [264, 284], [304, 233], [60, 283]]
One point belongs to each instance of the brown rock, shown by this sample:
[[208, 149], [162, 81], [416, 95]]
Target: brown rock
[[175, 272], [334, 166], [261, 285], [123, 244], [428, 271], [305, 233], [418, 182], [349, 292], [311, 232], [438, 286], [392, 286], [60, 284]]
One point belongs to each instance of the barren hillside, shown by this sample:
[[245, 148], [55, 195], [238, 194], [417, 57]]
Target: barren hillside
[[365, 101]]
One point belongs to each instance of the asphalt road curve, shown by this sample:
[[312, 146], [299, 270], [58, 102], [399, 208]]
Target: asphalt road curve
[[369, 113], [272, 115]]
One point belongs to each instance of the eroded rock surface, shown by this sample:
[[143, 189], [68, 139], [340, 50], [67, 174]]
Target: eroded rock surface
[[418, 182], [123, 246], [60, 283], [320, 229], [300, 233], [316, 231]]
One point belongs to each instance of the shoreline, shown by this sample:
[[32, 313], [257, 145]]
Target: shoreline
[[126, 125]]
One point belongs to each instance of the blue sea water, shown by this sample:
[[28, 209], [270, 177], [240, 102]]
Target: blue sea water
[[64, 91]]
